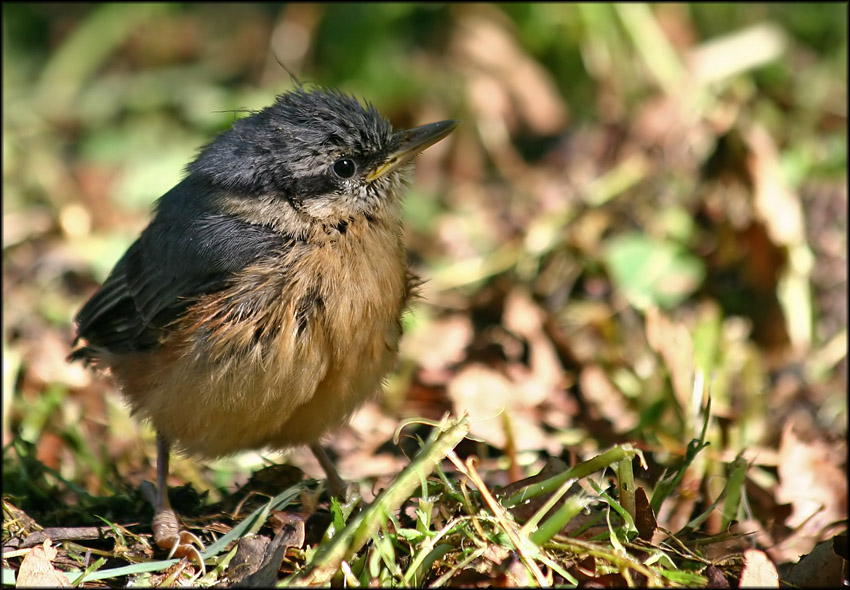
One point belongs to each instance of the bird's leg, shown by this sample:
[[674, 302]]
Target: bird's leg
[[336, 485], [167, 533]]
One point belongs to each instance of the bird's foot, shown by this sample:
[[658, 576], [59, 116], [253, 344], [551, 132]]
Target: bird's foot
[[336, 485], [180, 543]]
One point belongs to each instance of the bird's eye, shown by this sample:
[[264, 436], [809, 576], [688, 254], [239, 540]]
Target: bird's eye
[[345, 167]]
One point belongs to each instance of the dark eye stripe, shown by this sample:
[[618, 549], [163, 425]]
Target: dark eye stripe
[[316, 185]]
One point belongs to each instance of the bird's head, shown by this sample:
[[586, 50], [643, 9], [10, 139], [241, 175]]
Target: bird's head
[[322, 153]]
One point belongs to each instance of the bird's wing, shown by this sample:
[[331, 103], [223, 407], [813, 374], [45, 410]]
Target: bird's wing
[[186, 251]]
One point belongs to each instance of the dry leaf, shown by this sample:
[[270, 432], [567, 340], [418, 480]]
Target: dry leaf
[[759, 571], [525, 318], [439, 344], [644, 518], [824, 567], [811, 481], [606, 398], [37, 569], [514, 80], [781, 211], [776, 205], [494, 403], [672, 340]]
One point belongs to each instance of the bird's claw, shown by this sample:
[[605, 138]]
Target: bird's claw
[[179, 543], [183, 545]]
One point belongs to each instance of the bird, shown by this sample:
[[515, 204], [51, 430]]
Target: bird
[[262, 304]]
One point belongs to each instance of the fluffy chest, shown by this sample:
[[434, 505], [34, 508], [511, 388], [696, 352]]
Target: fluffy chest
[[341, 292], [287, 351]]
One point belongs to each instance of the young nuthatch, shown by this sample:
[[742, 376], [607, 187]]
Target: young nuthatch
[[261, 306]]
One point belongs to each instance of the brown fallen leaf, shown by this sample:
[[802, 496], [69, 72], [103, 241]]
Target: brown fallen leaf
[[606, 398], [544, 375], [672, 340], [759, 571], [811, 480], [258, 558], [826, 566], [37, 569], [644, 518], [439, 344], [524, 89], [780, 209], [498, 411], [714, 576]]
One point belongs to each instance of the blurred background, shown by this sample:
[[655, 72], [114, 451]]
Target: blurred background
[[645, 205]]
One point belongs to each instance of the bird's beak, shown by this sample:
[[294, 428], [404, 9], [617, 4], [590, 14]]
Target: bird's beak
[[412, 142]]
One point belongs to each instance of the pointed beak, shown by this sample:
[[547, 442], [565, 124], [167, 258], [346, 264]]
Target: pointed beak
[[411, 142]]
